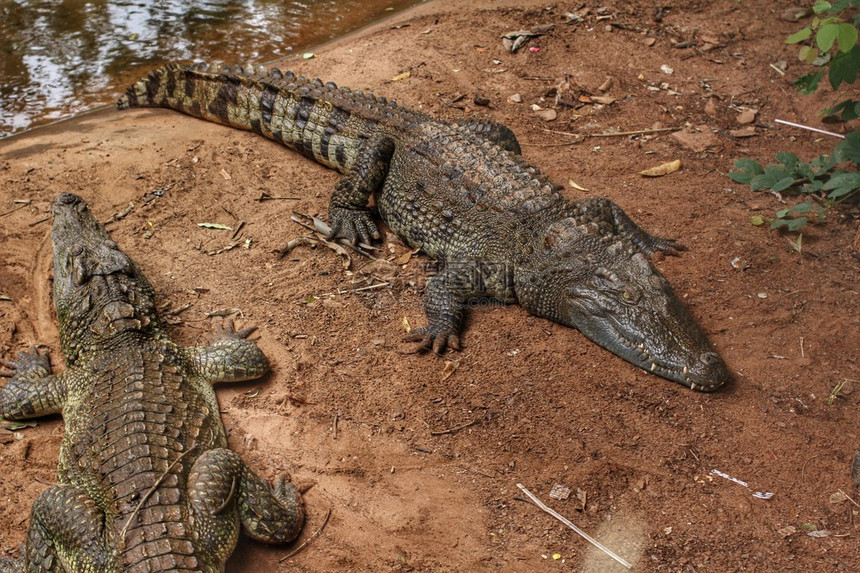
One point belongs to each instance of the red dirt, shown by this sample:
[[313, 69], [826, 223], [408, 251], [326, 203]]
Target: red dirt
[[546, 406]]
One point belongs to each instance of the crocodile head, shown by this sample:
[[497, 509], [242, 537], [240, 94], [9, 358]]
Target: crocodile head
[[98, 290], [603, 286]]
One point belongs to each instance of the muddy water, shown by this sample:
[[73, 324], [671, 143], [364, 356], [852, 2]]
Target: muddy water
[[61, 57]]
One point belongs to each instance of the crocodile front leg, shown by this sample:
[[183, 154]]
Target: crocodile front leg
[[67, 534], [231, 358], [32, 391], [220, 480], [348, 212], [447, 296], [604, 210]]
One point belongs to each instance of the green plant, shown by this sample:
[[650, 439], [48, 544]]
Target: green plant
[[831, 42]]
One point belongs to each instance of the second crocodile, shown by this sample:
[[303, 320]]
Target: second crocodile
[[146, 482], [462, 193]]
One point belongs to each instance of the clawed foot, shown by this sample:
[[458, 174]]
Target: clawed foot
[[354, 225], [227, 330], [436, 338], [29, 361], [664, 246]]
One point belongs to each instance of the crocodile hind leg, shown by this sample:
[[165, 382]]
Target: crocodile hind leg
[[348, 211], [600, 209], [219, 480], [66, 533], [32, 391], [231, 358]]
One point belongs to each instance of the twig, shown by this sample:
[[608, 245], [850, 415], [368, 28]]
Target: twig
[[151, 490], [334, 424], [42, 220], [456, 429], [570, 524], [815, 129], [21, 206], [803, 467], [776, 69], [848, 497], [308, 540], [359, 289], [637, 132]]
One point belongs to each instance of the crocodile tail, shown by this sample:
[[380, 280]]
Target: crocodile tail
[[317, 119]]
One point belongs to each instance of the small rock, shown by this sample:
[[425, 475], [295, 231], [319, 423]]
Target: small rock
[[697, 141], [481, 99], [748, 131], [559, 492], [650, 41], [838, 497], [667, 70], [711, 107], [746, 116], [547, 114], [516, 98]]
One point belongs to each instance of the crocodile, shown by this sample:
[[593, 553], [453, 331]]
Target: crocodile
[[145, 479], [461, 192]]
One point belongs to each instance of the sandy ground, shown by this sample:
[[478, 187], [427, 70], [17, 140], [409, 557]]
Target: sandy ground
[[358, 419]]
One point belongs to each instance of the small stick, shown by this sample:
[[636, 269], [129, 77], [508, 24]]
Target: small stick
[[848, 497], [776, 69], [570, 524], [308, 540], [815, 129], [637, 132], [457, 429], [334, 424], [360, 289]]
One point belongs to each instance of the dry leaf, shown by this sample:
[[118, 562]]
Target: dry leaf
[[605, 100], [573, 184], [402, 76], [449, 369], [662, 170], [406, 326], [547, 114], [748, 131]]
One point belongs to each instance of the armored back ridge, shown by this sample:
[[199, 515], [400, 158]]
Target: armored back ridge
[[145, 479], [463, 193]]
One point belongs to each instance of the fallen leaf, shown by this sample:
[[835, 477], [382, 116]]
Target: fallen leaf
[[402, 76], [650, 41], [787, 531], [573, 184], [449, 369], [218, 226], [308, 55], [605, 100], [711, 107], [406, 326], [757, 220], [661, 170], [838, 497], [516, 98], [405, 257]]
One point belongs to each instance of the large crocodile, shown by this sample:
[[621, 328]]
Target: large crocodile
[[145, 479], [462, 193]]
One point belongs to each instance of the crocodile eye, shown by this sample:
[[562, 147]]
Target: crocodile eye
[[630, 294], [111, 245], [78, 250]]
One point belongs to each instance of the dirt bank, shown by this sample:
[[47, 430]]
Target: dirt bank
[[359, 420]]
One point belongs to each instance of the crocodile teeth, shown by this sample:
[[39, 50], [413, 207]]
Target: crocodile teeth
[[653, 366], [686, 370], [693, 386]]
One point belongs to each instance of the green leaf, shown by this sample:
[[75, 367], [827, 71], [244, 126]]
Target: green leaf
[[757, 220], [781, 214], [807, 84], [783, 184], [788, 159], [763, 181], [850, 148], [799, 36], [846, 36], [842, 184], [746, 170], [846, 110], [821, 6], [844, 67], [807, 54], [825, 37], [800, 208]]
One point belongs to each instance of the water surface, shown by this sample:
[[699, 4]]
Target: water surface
[[61, 57]]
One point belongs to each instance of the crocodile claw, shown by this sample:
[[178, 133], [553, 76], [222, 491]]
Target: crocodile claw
[[354, 225], [436, 339], [28, 360], [228, 330]]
